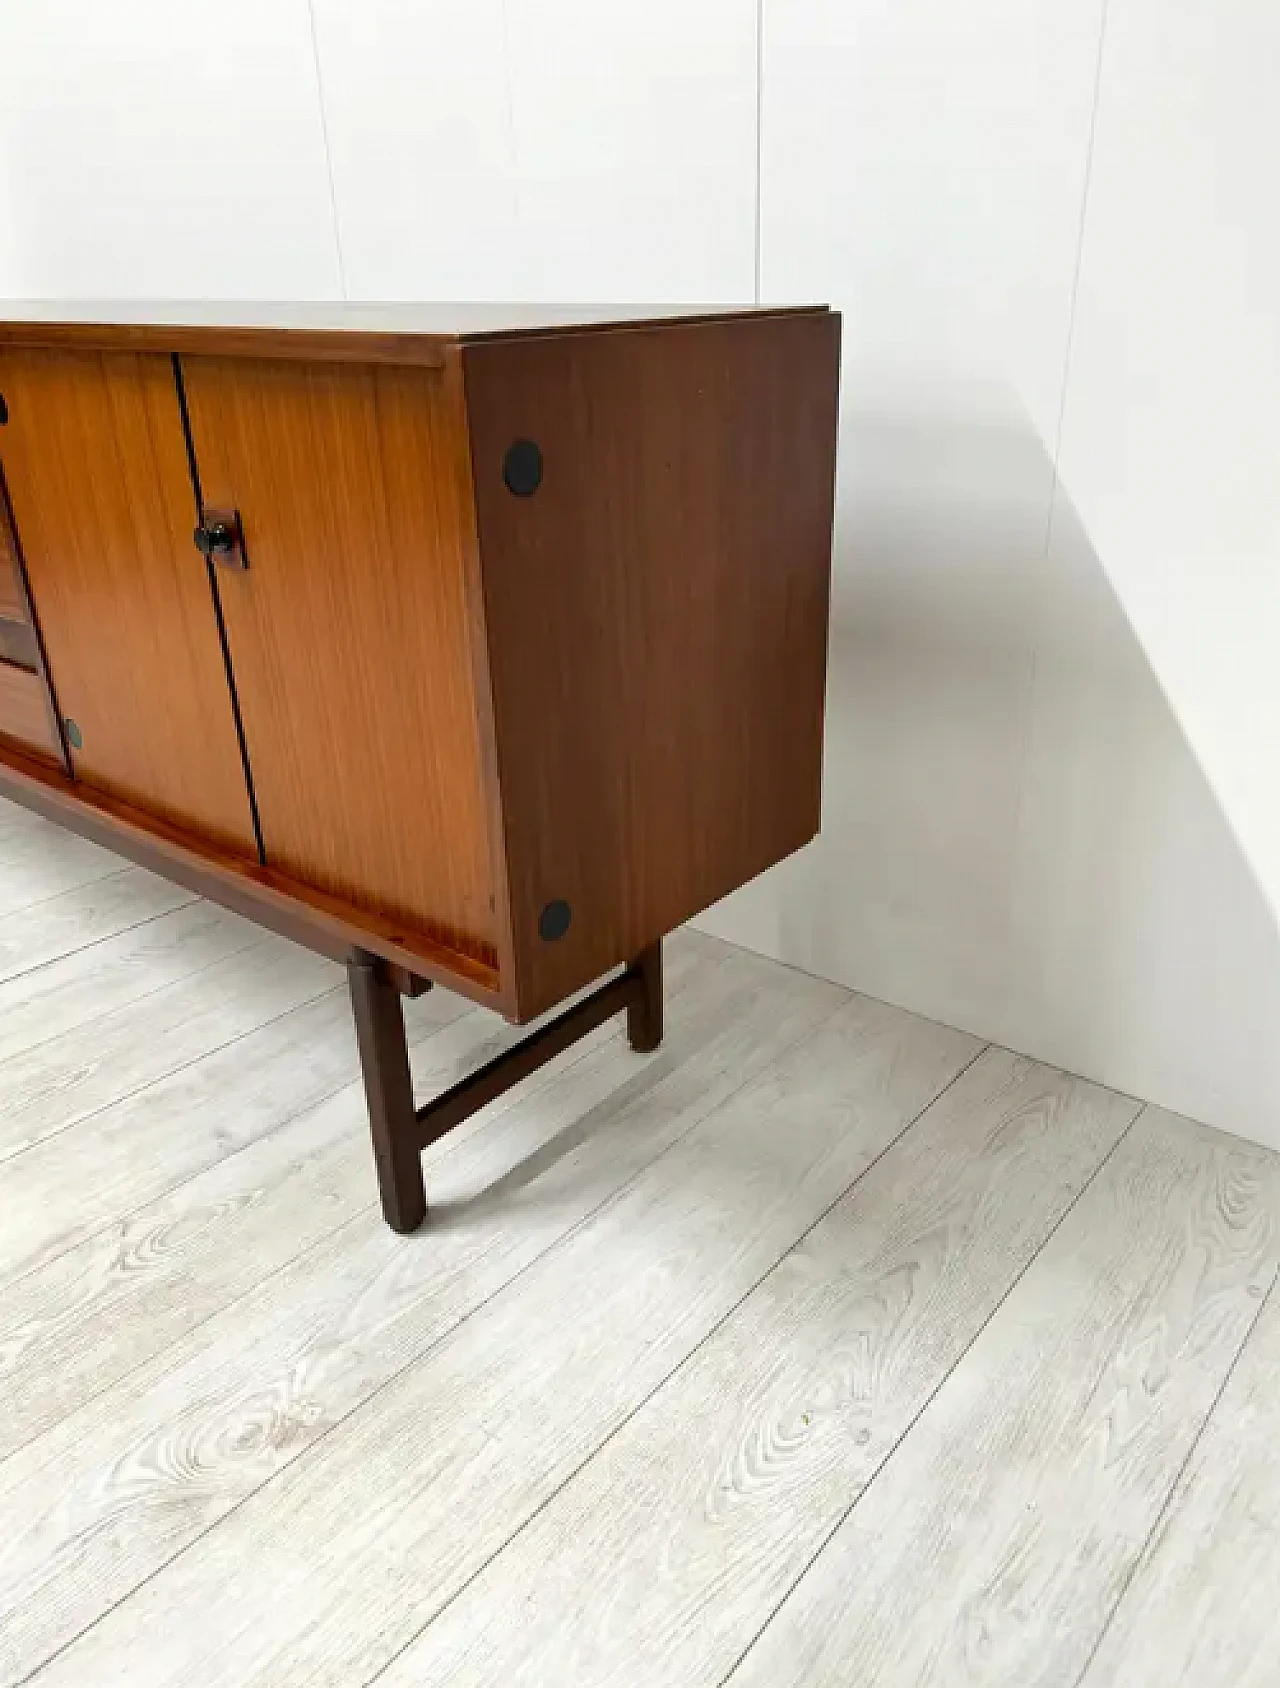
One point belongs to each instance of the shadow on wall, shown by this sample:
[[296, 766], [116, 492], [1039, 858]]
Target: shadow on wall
[[1017, 837]]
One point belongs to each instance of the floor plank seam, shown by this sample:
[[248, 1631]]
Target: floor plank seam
[[289, 1248], [162, 1078], [687, 1358], [887, 1461], [106, 938], [14, 909], [439, 1153], [1175, 1485], [188, 1330], [501, 1289], [118, 1218], [64, 891], [252, 942], [447, 1147], [1139, 1102]]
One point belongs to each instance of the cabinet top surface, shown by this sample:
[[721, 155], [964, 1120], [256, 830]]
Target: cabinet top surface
[[418, 333]]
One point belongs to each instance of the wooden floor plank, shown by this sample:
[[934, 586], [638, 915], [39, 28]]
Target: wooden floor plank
[[184, 1440], [85, 1179], [46, 1091], [43, 861], [45, 931], [683, 1086], [995, 1542], [64, 994], [661, 1561], [71, 1329], [15, 819], [1202, 1611], [640, 1406]]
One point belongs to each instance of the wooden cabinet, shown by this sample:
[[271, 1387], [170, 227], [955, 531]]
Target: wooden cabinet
[[479, 646]]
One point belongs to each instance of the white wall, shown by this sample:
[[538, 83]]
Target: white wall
[[543, 149], [1172, 431], [478, 148], [1051, 816], [1169, 452], [162, 148], [1050, 812]]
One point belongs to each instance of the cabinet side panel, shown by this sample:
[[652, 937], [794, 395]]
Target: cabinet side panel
[[657, 616], [348, 630], [97, 475]]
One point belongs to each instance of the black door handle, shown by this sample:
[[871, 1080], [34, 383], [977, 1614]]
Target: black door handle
[[220, 540]]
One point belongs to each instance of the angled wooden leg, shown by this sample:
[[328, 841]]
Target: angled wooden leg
[[388, 1088], [400, 1131], [644, 1014]]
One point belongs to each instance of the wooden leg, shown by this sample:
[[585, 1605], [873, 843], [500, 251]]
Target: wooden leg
[[388, 1088], [400, 1131], [644, 1015]]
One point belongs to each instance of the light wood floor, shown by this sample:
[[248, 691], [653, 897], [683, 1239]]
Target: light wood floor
[[824, 1346]]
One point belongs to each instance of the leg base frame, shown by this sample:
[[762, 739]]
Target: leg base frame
[[400, 1131]]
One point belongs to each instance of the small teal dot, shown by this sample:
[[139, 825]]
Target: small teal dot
[[74, 736]]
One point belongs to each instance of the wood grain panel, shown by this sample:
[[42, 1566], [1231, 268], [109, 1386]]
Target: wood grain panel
[[96, 468], [657, 620], [24, 711], [349, 631]]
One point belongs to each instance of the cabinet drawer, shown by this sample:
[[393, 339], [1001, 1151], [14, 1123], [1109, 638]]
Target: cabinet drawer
[[24, 714], [12, 606], [18, 643]]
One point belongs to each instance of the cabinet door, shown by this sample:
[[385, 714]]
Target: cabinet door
[[95, 461], [349, 632]]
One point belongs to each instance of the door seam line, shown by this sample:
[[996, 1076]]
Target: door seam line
[[216, 595]]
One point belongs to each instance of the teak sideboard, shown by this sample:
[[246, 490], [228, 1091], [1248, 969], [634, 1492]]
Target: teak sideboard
[[478, 646]]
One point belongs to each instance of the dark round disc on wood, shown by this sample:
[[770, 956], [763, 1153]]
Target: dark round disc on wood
[[522, 468], [554, 920]]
